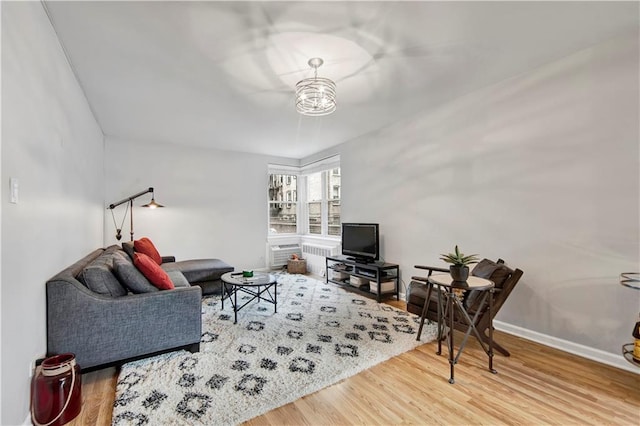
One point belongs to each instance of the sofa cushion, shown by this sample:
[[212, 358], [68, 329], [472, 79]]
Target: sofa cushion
[[112, 249], [128, 248], [178, 279], [130, 277], [210, 287], [152, 271], [199, 270], [145, 246], [98, 277]]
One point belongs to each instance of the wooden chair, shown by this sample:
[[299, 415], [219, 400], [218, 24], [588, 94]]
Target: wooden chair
[[504, 278]]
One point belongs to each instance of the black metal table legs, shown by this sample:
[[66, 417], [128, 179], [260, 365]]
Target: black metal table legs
[[232, 291], [447, 313]]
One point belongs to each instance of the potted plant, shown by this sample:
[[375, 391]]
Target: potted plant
[[459, 264]]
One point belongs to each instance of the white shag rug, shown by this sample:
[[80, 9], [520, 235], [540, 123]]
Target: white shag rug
[[320, 335]]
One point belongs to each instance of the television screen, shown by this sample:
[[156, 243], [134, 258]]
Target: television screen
[[360, 240]]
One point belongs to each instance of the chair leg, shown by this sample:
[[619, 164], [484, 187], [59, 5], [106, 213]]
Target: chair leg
[[423, 315], [496, 346]]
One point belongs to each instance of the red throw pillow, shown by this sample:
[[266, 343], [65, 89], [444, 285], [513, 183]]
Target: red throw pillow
[[145, 246], [152, 271]]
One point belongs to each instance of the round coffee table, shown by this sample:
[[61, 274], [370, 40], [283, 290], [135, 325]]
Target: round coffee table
[[259, 287]]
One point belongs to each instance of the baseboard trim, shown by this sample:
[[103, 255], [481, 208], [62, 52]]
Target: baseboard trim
[[597, 355]]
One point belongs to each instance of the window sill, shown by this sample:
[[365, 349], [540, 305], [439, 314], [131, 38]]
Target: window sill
[[295, 238]]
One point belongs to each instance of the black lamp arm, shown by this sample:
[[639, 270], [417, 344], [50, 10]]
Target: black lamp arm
[[130, 198]]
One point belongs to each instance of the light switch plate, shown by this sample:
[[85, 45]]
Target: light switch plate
[[13, 184]]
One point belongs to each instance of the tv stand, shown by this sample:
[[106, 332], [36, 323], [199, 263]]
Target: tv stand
[[360, 260], [372, 279]]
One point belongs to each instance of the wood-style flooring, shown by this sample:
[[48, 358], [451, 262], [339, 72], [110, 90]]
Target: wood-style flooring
[[536, 385]]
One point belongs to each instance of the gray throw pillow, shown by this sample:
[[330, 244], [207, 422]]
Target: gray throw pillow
[[178, 279], [111, 249], [131, 277], [98, 277], [127, 246]]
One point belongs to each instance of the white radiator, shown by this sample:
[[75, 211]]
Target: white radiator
[[280, 254], [317, 250], [315, 255]]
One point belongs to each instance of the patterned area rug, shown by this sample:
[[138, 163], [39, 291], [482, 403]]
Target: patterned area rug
[[320, 335]]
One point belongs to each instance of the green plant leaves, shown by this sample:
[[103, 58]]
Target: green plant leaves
[[458, 258]]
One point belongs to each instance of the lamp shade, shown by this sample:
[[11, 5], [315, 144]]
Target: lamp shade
[[152, 204]]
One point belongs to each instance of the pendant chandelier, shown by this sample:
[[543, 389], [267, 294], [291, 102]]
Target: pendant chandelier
[[315, 96]]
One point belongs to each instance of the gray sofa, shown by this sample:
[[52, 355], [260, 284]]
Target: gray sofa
[[104, 321], [204, 273]]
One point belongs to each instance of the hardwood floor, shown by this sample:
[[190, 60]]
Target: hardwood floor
[[536, 385]]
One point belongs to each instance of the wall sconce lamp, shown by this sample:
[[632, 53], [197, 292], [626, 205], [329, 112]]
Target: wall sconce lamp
[[129, 200]]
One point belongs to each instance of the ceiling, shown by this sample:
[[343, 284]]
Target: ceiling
[[222, 74]]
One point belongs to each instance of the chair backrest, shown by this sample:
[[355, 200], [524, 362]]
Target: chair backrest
[[500, 296]]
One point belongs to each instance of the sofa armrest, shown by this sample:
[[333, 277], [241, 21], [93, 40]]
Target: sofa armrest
[[168, 259], [101, 330]]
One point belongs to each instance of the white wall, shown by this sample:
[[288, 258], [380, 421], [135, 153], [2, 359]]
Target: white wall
[[216, 201], [51, 142], [541, 170]]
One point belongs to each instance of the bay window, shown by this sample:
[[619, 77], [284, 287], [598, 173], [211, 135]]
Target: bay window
[[305, 200]]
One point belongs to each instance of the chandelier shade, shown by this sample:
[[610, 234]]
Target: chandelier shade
[[317, 95]]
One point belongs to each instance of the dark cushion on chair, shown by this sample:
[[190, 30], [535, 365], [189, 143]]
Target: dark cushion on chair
[[490, 270], [416, 293], [496, 272]]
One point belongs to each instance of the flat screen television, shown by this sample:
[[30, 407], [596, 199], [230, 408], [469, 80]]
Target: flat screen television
[[361, 241]]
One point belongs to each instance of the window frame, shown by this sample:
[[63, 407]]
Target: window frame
[[327, 168], [287, 173]]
